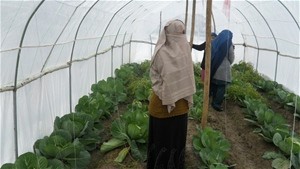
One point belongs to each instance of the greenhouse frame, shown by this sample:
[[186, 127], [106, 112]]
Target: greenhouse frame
[[52, 51]]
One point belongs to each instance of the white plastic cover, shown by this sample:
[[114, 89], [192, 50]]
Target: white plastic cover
[[48, 51]]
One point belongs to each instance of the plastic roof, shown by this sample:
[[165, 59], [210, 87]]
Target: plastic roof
[[53, 51]]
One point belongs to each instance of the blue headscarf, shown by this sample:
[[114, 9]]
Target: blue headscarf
[[219, 49]]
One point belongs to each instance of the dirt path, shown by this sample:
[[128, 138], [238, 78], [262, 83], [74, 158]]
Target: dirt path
[[247, 147]]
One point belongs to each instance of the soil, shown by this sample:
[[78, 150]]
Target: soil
[[247, 147]]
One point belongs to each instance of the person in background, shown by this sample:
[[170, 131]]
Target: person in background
[[201, 47], [222, 57], [173, 86]]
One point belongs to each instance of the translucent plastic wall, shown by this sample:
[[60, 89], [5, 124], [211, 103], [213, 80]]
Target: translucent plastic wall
[[270, 30], [53, 51]]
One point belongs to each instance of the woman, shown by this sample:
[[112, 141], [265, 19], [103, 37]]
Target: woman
[[222, 57], [201, 47], [173, 86]]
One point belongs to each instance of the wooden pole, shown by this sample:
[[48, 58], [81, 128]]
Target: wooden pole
[[207, 64], [193, 22]]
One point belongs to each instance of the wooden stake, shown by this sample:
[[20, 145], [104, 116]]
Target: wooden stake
[[193, 22], [207, 64]]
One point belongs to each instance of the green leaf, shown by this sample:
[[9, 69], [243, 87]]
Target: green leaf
[[293, 143], [205, 139], [280, 163], [212, 146], [63, 133], [73, 127], [295, 158], [218, 166], [118, 130], [197, 143], [122, 154], [8, 166], [139, 153], [30, 160], [134, 131], [55, 164], [272, 155], [277, 139], [79, 160], [111, 144], [58, 147]]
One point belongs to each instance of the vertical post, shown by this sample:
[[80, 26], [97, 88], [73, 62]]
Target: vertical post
[[193, 22], [96, 67], [112, 62], [150, 45], [207, 64], [130, 49], [123, 48], [186, 12], [159, 22]]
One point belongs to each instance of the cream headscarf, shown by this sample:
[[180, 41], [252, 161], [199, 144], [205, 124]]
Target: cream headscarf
[[172, 71]]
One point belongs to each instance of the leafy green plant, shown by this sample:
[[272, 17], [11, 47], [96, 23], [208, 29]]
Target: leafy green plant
[[145, 68], [239, 90], [245, 72], [196, 111], [295, 158], [273, 128], [131, 72], [265, 119], [244, 77], [297, 105], [279, 160], [104, 99], [212, 147], [126, 74], [131, 129], [28, 160], [140, 89], [282, 162], [287, 144], [57, 147], [81, 126], [113, 88], [266, 85], [283, 97], [99, 106]]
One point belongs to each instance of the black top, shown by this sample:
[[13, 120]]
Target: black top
[[200, 48]]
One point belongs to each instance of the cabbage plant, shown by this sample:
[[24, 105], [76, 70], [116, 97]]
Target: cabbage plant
[[212, 147], [28, 160], [131, 131], [81, 126]]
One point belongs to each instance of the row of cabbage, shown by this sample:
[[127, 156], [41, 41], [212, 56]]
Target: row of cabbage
[[272, 126], [76, 134]]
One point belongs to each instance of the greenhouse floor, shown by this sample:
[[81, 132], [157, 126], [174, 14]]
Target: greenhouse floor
[[247, 147]]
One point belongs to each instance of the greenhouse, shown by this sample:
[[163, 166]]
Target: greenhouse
[[75, 83]]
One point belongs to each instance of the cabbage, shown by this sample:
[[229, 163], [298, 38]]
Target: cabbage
[[134, 131]]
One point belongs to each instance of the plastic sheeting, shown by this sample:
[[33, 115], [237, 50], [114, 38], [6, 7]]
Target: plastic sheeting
[[53, 51]]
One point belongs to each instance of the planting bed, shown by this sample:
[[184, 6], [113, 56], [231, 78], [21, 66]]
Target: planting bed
[[246, 151]]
